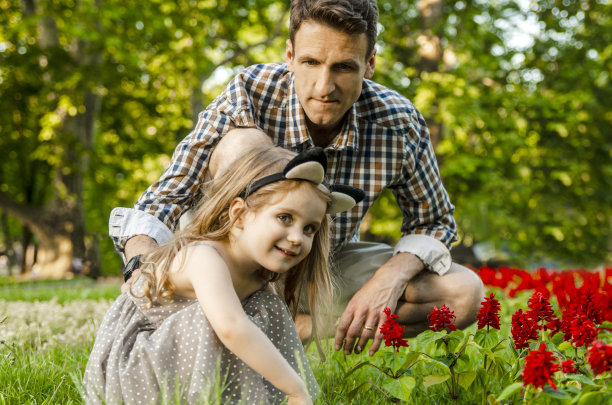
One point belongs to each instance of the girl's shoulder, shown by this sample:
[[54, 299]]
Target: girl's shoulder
[[200, 256]]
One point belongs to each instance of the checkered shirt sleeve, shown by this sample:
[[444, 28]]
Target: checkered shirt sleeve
[[384, 143]]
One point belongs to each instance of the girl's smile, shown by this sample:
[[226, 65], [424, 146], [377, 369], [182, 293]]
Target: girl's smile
[[279, 235]]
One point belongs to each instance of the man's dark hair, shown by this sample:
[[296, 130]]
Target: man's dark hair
[[349, 16]]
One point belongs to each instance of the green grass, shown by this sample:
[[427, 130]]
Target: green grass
[[41, 368], [60, 290], [32, 377]]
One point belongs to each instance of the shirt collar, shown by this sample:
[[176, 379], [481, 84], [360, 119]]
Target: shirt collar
[[297, 132]]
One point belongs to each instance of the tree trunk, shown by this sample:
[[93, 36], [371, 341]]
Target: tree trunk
[[59, 226], [430, 50]]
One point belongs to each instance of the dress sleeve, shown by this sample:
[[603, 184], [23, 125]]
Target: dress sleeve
[[428, 225], [176, 190]]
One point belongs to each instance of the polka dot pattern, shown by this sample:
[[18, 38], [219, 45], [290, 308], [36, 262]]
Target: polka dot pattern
[[146, 356]]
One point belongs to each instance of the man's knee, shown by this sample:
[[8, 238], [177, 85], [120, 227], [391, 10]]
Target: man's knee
[[467, 292]]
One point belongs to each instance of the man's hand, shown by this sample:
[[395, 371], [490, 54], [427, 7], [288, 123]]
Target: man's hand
[[136, 245], [382, 291]]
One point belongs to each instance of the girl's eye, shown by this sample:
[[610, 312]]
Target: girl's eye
[[309, 229], [285, 219]]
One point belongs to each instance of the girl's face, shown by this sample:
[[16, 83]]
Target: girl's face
[[278, 236]]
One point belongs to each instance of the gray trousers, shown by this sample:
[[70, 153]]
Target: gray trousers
[[351, 268]]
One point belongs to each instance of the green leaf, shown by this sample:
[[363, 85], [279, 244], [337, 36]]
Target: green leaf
[[483, 350], [357, 367], [400, 388], [433, 379], [509, 391], [360, 388], [410, 358], [558, 393], [424, 339], [565, 346], [605, 325], [436, 363], [582, 379], [592, 398], [466, 378]]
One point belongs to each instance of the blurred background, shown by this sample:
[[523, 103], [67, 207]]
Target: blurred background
[[95, 95]]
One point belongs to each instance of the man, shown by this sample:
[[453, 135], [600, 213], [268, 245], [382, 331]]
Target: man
[[374, 139]]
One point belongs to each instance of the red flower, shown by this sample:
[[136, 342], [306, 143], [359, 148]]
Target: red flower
[[523, 329], [599, 357], [540, 308], [568, 366], [539, 368], [554, 325], [440, 319], [566, 323], [488, 315], [392, 331], [583, 331]]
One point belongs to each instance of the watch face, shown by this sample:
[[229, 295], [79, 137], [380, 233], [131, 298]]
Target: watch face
[[129, 268]]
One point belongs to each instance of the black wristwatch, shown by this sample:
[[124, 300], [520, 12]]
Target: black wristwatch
[[130, 266]]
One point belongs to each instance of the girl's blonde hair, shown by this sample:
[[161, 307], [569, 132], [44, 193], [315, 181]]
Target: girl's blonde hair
[[212, 222]]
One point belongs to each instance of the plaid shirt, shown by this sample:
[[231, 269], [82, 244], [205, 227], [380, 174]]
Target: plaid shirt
[[384, 143]]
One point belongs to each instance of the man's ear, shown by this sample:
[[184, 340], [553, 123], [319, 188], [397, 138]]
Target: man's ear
[[289, 55], [371, 64], [236, 209]]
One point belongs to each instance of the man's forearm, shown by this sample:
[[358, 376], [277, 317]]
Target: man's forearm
[[139, 244]]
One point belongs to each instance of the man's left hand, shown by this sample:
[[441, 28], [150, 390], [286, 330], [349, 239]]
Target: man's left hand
[[361, 320]]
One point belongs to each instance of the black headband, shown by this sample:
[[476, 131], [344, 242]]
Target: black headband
[[310, 165]]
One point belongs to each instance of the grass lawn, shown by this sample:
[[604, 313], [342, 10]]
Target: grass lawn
[[47, 331]]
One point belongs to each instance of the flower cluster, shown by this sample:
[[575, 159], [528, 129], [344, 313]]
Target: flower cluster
[[568, 366], [540, 309], [540, 366], [49, 324], [392, 331], [582, 330], [440, 319], [488, 315], [523, 329], [583, 310], [599, 357]]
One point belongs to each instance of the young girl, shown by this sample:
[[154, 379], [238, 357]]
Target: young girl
[[204, 306]]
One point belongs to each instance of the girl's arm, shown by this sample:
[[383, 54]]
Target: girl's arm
[[214, 290]]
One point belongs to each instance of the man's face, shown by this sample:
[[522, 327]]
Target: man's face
[[328, 67]]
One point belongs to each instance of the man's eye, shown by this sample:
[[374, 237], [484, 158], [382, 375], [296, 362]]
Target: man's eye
[[311, 62], [343, 67]]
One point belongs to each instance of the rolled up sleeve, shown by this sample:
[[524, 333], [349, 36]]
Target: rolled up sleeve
[[434, 254], [125, 223]]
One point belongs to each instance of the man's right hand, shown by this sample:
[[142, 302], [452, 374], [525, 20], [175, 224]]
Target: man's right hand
[[136, 245]]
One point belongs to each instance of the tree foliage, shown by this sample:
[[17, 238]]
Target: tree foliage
[[95, 94]]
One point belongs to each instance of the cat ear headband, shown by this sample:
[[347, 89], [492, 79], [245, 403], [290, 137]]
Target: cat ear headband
[[310, 165]]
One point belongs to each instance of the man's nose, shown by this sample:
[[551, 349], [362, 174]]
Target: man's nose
[[325, 82]]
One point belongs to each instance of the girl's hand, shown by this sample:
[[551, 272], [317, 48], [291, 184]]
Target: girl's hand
[[302, 399]]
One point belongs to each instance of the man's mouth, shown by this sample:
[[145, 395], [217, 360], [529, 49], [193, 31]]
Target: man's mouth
[[285, 252], [324, 101]]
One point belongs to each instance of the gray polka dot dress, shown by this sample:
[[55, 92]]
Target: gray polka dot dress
[[170, 354]]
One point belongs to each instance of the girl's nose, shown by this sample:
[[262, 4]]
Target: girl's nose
[[295, 238]]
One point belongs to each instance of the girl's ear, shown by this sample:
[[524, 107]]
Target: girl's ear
[[236, 207]]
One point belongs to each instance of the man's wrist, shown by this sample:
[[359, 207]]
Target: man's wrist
[[138, 245]]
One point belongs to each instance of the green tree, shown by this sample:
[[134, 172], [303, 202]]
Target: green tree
[[520, 128]]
